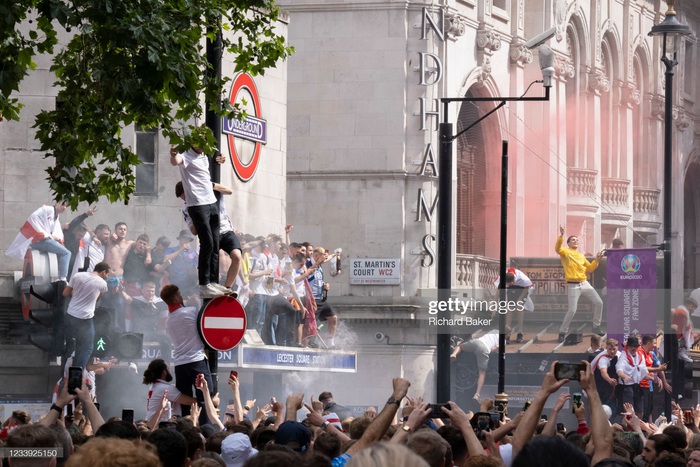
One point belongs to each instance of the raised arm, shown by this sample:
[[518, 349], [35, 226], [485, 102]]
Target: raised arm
[[560, 241], [375, 431], [550, 428], [293, 403], [91, 411], [601, 433], [175, 158], [416, 418], [237, 406], [526, 428], [209, 404], [158, 414]]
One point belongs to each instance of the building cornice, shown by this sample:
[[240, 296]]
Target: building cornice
[[358, 175]]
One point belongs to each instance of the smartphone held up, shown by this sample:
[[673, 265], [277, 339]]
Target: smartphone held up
[[75, 379], [565, 370]]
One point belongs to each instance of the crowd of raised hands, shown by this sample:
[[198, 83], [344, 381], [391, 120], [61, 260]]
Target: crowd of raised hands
[[405, 430]]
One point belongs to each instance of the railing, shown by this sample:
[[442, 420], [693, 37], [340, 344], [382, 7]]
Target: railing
[[646, 200], [581, 182], [476, 273], [615, 191]]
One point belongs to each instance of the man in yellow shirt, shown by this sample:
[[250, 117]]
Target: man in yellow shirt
[[576, 266]]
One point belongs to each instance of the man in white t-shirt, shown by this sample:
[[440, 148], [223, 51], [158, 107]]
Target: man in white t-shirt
[[203, 208], [260, 281], [158, 378], [189, 357], [481, 348], [518, 287], [84, 288]]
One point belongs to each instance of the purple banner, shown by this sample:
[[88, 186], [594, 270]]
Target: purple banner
[[631, 297]]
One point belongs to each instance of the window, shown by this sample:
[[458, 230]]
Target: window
[[501, 10], [146, 171], [689, 72]]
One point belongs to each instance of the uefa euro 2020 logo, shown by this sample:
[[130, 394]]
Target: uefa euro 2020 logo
[[630, 264]]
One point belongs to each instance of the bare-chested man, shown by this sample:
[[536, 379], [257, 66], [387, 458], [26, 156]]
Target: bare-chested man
[[117, 247], [115, 253]]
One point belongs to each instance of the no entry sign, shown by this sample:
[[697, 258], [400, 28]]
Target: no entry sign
[[222, 323]]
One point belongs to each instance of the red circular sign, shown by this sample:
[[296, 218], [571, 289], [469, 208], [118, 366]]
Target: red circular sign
[[222, 323], [245, 171]]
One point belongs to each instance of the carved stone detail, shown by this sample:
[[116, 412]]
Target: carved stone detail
[[456, 26], [629, 95], [563, 67], [487, 40], [520, 55], [681, 117], [598, 82], [484, 72], [657, 107]]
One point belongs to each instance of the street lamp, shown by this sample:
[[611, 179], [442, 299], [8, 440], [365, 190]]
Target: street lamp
[[444, 224], [671, 31]]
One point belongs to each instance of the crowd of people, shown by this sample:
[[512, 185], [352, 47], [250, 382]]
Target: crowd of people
[[405, 431], [282, 285]]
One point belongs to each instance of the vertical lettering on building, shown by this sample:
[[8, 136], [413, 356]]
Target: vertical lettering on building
[[429, 257], [438, 26], [429, 161], [426, 70], [423, 207], [431, 72]]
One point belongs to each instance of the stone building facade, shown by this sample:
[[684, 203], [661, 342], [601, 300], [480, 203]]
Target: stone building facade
[[364, 86]]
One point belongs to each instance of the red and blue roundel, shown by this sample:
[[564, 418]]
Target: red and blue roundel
[[252, 128]]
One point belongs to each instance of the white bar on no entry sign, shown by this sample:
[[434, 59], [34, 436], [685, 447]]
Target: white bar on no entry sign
[[223, 323]]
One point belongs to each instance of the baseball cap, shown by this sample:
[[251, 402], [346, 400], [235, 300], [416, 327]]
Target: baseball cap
[[632, 341], [236, 450], [293, 435], [184, 233]]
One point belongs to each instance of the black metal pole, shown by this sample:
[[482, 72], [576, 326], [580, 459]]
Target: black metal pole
[[213, 121], [502, 270], [444, 232], [669, 335], [444, 256]]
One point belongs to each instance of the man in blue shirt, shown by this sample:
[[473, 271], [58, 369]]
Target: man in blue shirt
[[319, 288]]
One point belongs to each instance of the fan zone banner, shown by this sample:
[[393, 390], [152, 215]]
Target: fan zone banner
[[631, 292]]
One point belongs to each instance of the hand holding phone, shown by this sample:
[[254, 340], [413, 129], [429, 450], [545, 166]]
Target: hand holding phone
[[200, 381], [436, 411], [575, 401], [128, 415], [75, 379], [234, 374], [564, 370]]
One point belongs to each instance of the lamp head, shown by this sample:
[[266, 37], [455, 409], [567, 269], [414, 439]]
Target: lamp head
[[546, 64], [670, 26]]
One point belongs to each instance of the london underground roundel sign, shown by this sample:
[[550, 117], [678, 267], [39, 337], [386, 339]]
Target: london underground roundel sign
[[252, 129]]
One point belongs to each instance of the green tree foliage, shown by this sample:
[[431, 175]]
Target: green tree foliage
[[126, 62]]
